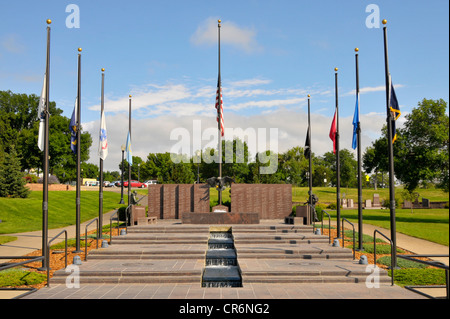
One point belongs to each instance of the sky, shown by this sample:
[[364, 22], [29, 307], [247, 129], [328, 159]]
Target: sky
[[273, 54]]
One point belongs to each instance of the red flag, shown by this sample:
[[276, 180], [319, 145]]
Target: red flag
[[333, 132], [219, 107]]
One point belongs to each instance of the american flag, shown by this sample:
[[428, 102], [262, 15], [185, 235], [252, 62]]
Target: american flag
[[219, 107]]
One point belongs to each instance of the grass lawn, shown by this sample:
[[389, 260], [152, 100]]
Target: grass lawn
[[429, 224], [23, 215]]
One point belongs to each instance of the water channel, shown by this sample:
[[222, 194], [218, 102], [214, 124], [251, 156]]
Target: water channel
[[222, 268]]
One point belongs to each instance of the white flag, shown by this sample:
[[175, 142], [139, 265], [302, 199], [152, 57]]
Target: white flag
[[41, 116], [103, 142]]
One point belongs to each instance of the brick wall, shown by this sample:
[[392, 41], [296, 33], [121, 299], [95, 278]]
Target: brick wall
[[170, 201], [270, 201]]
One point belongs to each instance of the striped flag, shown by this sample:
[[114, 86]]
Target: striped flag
[[103, 142], [41, 116], [128, 149], [219, 107]]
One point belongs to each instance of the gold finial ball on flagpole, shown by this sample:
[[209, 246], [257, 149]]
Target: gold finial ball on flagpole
[[356, 49], [80, 49], [336, 69], [309, 95], [49, 21], [220, 21], [103, 69], [129, 96], [384, 21]]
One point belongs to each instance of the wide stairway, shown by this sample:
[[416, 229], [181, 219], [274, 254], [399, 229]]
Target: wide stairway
[[264, 253]]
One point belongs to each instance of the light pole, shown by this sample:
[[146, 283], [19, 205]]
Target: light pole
[[121, 177]]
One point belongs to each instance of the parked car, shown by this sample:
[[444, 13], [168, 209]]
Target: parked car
[[151, 182], [112, 184], [135, 184], [117, 183]]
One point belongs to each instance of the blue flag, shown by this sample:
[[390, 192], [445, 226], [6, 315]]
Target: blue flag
[[355, 123], [128, 149], [73, 129]]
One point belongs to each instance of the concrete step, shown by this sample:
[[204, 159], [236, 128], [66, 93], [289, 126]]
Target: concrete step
[[131, 271], [145, 256], [168, 230], [308, 279], [197, 278], [296, 256], [268, 240]]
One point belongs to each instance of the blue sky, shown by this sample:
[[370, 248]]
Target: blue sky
[[273, 53]]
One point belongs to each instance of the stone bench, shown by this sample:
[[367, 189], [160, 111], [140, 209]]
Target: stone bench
[[146, 220]]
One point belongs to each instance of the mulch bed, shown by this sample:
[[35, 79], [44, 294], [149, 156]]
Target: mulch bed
[[57, 259]]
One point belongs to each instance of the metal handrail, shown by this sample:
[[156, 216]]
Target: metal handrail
[[433, 263], [48, 254], [345, 219], [329, 226], [12, 265], [375, 251], [85, 237]]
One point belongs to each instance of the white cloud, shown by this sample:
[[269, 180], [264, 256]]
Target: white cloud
[[240, 37], [369, 89], [12, 44], [159, 109], [144, 97], [250, 82], [267, 103]]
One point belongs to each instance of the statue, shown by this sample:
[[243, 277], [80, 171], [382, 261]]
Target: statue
[[219, 182], [314, 200]]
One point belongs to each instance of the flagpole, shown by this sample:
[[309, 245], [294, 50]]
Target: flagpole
[[100, 190], [129, 165], [358, 136], [310, 162], [338, 169], [219, 117], [389, 119], [45, 159], [78, 188]]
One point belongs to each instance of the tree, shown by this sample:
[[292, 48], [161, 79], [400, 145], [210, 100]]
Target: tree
[[19, 126], [424, 151], [348, 168], [12, 183], [421, 149], [166, 171]]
